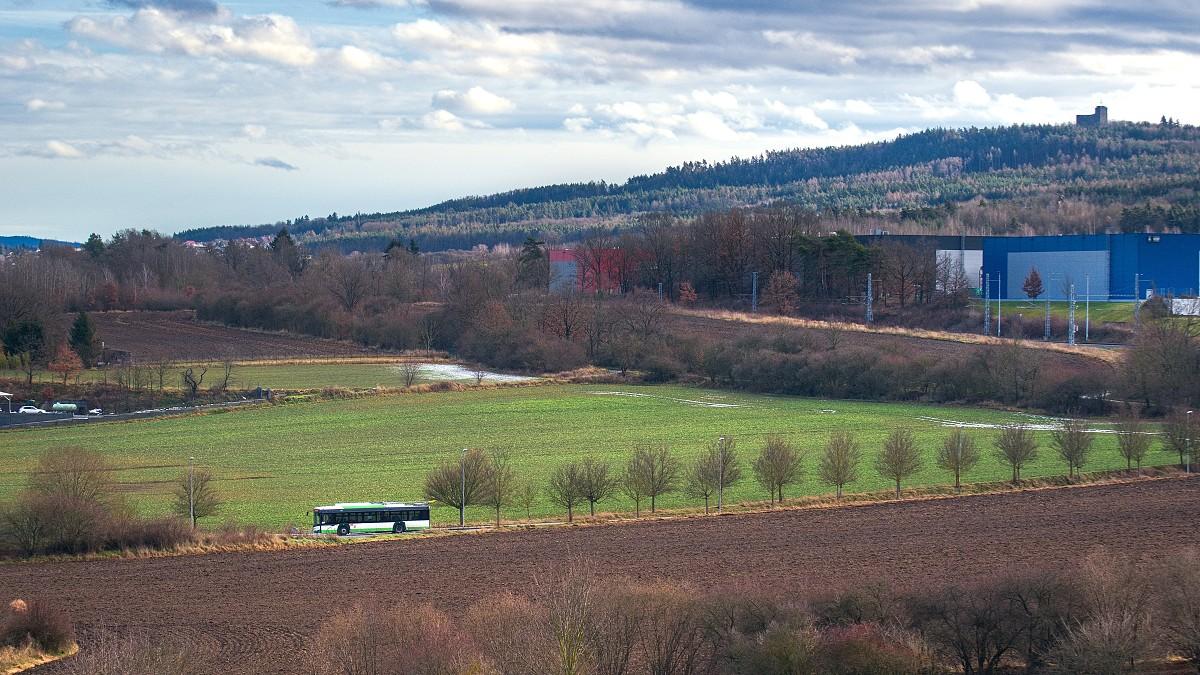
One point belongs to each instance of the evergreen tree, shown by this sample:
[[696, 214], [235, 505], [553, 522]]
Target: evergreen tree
[[83, 339], [533, 267], [94, 245], [412, 247], [285, 251], [1033, 284]]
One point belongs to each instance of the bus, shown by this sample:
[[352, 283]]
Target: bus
[[370, 518]]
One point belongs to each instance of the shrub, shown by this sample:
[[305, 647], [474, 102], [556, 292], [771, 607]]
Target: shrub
[[110, 654], [41, 624], [868, 649], [404, 640]]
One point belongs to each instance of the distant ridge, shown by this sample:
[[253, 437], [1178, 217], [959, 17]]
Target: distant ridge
[[1120, 162], [23, 242]]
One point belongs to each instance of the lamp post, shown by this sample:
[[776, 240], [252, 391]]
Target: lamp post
[[1187, 446], [721, 475], [462, 498]]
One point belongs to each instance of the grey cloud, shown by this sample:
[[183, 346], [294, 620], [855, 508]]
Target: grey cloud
[[275, 163], [197, 7]]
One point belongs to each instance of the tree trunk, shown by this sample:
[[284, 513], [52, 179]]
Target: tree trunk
[[957, 483], [570, 514], [652, 503], [781, 494], [462, 518], [897, 488], [839, 492], [706, 505], [497, 517], [592, 507]]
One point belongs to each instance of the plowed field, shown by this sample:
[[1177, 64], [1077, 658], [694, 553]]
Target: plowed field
[[257, 608]]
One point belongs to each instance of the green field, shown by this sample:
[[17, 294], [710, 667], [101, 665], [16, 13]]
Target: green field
[[275, 463], [1099, 312], [277, 376]]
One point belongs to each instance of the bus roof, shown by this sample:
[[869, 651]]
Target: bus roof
[[371, 506]]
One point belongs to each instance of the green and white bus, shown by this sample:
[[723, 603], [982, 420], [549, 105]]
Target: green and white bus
[[370, 518]]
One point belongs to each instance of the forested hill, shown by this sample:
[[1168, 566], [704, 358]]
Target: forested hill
[[920, 178], [23, 242]]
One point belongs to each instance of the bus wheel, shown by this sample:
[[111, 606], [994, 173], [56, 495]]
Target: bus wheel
[[343, 530], [398, 528]]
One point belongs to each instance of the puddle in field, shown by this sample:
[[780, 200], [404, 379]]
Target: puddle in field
[[1051, 425], [687, 401], [457, 371]]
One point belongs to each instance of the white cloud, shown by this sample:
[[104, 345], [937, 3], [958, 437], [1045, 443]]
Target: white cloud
[[58, 150], [721, 100], [807, 44], [360, 60], [38, 105], [859, 107], [372, 4], [577, 125], [268, 37], [971, 94], [254, 131], [798, 113], [485, 38], [707, 124], [442, 120], [476, 100], [929, 55]]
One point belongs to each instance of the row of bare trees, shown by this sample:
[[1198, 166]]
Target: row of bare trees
[[1105, 614], [487, 478]]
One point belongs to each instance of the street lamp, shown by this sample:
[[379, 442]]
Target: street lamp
[[192, 491], [1187, 468], [462, 498]]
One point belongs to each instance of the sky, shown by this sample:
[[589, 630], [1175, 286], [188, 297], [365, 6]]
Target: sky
[[170, 114]]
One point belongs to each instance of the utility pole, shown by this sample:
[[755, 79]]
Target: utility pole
[[754, 292], [999, 307], [660, 291], [1046, 337], [192, 491], [462, 500], [870, 298], [1188, 444], [1087, 308], [721, 483], [987, 304], [1071, 318], [1137, 306]]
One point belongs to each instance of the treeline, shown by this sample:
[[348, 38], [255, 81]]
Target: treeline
[[489, 478], [1105, 614]]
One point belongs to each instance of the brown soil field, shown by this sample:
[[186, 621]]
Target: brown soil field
[[258, 609], [177, 336], [732, 326]]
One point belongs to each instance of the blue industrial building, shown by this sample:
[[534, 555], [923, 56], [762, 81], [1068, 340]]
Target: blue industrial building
[[1103, 266]]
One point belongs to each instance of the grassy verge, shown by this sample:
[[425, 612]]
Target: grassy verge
[[19, 659]]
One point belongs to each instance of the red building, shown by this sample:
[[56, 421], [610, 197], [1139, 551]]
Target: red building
[[590, 270]]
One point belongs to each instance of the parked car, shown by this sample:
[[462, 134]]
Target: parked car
[[31, 410], [95, 411]]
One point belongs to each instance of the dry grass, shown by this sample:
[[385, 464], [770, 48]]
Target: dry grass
[[1106, 355], [204, 545], [19, 659]]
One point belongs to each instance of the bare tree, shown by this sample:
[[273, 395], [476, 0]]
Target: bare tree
[[958, 455], [526, 496], [410, 370], [479, 372], [655, 471], [900, 457], [226, 376], [1016, 447], [460, 483], [195, 496], [631, 487], [777, 465], [161, 367], [72, 473], [718, 468], [840, 460], [569, 600], [503, 483], [192, 382], [348, 280], [1178, 434], [565, 487], [1132, 440], [1072, 442], [597, 482]]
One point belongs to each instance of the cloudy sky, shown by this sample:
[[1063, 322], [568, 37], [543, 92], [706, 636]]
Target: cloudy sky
[[178, 113]]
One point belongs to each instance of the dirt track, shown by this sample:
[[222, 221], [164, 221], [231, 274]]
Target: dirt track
[[258, 607]]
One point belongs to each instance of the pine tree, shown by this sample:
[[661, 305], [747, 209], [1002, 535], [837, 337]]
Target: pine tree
[[94, 245], [1033, 284], [83, 339]]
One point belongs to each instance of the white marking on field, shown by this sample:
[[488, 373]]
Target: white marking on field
[[1054, 426], [457, 371], [706, 404]]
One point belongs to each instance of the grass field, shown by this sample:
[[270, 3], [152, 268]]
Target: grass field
[[344, 373], [275, 463], [1099, 312]]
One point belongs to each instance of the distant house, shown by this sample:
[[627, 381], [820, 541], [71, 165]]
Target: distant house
[[1096, 119]]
